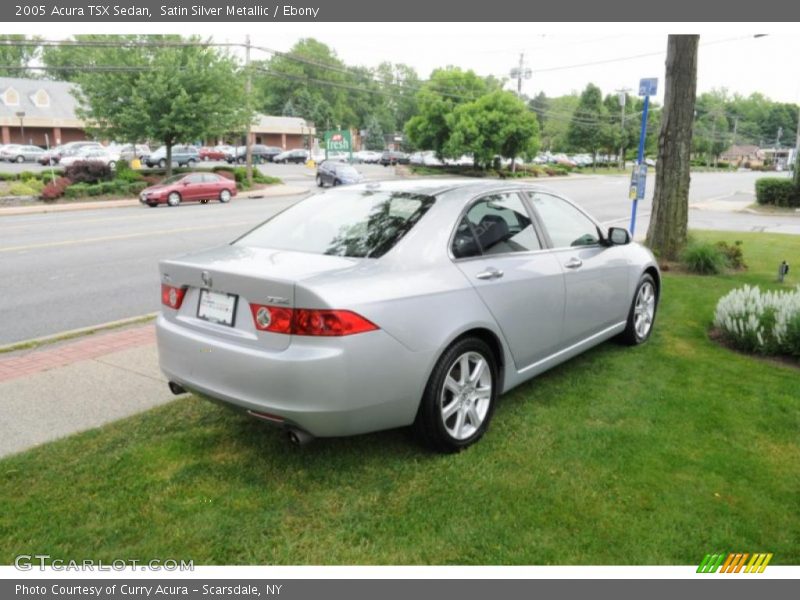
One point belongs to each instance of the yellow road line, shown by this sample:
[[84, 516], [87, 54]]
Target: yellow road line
[[110, 238]]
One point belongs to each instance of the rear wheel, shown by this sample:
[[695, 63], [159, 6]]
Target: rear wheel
[[191, 163], [336, 182], [20, 159], [642, 313], [460, 397], [319, 181], [174, 199], [162, 164], [225, 196]]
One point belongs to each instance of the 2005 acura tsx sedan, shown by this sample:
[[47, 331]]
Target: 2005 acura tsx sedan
[[383, 305]]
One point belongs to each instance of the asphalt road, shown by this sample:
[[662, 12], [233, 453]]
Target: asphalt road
[[61, 271]]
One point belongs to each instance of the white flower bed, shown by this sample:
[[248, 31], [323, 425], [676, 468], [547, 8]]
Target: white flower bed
[[755, 321]]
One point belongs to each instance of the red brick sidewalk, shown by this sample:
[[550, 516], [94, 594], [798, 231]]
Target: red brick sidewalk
[[67, 353]]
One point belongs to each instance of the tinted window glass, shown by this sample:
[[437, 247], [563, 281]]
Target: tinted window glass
[[566, 225], [502, 225], [465, 244], [361, 224], [196, 178]]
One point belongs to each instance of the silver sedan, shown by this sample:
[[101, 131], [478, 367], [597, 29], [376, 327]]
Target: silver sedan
[[406, 303]]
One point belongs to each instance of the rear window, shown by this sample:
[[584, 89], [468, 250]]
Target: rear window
[[354, 223]]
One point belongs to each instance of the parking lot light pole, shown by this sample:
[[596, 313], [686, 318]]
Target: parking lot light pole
[[21, 115], [248, 92]]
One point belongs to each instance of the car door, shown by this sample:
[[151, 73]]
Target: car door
[[194, 187], [499, 249], [595, 275]]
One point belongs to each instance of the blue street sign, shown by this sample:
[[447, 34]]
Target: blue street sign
[[641, 181], [648, 87]]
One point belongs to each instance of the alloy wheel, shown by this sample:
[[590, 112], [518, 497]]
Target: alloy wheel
[[466, 395], [644, 309]]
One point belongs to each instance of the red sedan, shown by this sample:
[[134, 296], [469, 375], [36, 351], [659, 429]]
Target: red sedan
[[189, 187], [208, 153]]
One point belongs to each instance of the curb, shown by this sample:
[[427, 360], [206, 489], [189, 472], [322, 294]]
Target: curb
[[277, 192], [34, 343]]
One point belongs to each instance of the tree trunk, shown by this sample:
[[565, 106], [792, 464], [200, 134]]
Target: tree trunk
[[666, 234], [169, 159]]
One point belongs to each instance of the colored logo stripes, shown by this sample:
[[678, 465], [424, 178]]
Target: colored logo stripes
[[735, 562]]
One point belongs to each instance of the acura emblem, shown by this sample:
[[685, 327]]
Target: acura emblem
[[206, 279]]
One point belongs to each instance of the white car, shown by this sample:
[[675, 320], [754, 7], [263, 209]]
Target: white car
[[101, 155], [367, 156]]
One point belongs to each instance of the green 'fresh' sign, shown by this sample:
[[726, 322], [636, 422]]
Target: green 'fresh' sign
[[338, 141]]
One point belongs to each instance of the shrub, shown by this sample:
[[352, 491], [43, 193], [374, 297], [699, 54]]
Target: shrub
[[55, 189], [777, 192], [704, 258], [733, 254], [764, 322], [77, 190], [88, 172], [30, 187]]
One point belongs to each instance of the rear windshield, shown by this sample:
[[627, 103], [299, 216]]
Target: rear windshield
[[354, 223]]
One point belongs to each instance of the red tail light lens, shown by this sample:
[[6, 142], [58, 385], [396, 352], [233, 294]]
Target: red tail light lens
[[330, 323], [312, 322], [272, 318], [172, 296]]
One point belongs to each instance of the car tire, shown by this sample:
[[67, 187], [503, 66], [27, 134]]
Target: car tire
[[174, 199], [52, 162], [642, 314], [241, 161], [20, 159], [152, 204], [162, 164], [191, 163], [320, 182], [336, 182], [459, 398], [225, 196], [204, 201], [112, 165]]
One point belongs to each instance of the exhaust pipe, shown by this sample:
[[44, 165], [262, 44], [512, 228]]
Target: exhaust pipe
[[298, 437], [176, 388]]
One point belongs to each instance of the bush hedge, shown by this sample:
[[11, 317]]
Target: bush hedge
[[88, 172], [777, 192]]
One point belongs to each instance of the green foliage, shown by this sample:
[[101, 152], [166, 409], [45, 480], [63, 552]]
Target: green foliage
[[20, 188], [496, 124], [704, 258], [374, 138], [777, 191], [448, 88], [587, 129], [734, 257], [191, 92], [123, 172], [15, 56]]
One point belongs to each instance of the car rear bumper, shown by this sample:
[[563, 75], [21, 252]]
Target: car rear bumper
[[325, 386]]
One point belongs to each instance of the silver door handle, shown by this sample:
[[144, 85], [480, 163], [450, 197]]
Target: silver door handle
[[490, 273], [573, 263]]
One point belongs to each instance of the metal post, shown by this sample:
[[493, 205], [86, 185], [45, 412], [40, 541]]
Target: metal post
[[248, 93], [640, 158], [797, 153]]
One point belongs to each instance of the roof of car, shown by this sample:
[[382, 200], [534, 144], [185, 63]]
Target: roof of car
[[436, 187]]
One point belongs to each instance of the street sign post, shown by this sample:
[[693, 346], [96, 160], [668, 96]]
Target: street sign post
[[647, 87]]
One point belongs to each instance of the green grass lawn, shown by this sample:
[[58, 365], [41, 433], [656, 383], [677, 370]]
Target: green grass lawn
[[651, 455]]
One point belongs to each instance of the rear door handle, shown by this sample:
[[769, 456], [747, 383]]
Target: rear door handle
[[490, 273], [573, 263]]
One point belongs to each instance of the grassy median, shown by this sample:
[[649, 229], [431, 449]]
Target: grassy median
[[653, 455]]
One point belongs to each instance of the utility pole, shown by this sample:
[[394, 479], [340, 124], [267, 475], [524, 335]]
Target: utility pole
[[248, 93], [777, 145], [733, 143], [623, 96], [520, 72], [797, 153]]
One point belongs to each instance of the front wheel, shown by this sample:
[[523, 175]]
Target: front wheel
[[319, 181], [225, 196], [162, 164], [460, 397], [20, 159], [642, 313], [174, 199]]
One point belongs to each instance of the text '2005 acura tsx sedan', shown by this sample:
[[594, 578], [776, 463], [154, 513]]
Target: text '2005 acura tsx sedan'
[[384, 305]]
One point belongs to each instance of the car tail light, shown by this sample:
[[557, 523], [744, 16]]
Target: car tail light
[[310, 322], [172, 296], [272, 318]]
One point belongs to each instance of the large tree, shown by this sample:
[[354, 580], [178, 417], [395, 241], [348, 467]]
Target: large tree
[[589, 131], [174, 94], [16, 52], [670, 214], [496, 124], [446, 89]]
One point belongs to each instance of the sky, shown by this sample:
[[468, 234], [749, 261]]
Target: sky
[[729, 57]]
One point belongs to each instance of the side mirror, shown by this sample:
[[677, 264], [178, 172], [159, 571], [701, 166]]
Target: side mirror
[[618, 236]]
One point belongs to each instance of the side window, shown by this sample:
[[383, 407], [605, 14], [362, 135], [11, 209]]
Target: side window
[[195, 178], [502, 225], [566, 225]]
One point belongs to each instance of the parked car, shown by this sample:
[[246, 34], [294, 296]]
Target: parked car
[[189, 187], [368, 156], [130, 151], [393, 157], [54, 155], [292, 156], [375, 306], [91, 154], [259, 152], [183, 156], [211, 153], [21, 153], [334, 172]]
